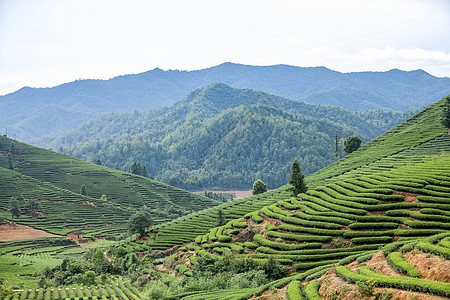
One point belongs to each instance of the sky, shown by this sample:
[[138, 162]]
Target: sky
[[45, 43]]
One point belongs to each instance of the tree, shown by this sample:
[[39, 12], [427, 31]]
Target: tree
[[31, 206], [144, 171], [10, 161], [98, 162], [12, 148], [103, 198], [89, 278], [100, 262], [83, 190], [259, 187], [14, 209], [446, 114], [136, 168], [352, 143], [139, 222], [336, 150], [220, 218], [296, 180]]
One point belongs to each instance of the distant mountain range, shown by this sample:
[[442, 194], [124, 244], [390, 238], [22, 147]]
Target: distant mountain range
[[223, 137], [31, 113]]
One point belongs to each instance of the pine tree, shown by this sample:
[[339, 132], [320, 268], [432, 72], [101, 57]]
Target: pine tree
[[446, 114], [144, 171], [336, 150], [220, 218], [12, 148], [83, 190], [136, 168], [10, 161], [297, 180]]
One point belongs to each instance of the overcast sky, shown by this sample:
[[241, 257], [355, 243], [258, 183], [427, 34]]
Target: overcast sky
[[45, 43]]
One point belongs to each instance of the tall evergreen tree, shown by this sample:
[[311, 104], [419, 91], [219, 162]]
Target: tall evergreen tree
[[10, 161], [12, 149], [220, 218], [446, 114], [144, 171], [336, 150], [136, 168], [296, 180], [83, 190]]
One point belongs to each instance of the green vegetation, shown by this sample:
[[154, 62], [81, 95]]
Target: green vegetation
[[49, 186], [296, 180], [352, 143], [140, 222], [221, 137], [259, 187]]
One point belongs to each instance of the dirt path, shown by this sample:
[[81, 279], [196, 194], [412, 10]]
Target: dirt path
[[21, 232]]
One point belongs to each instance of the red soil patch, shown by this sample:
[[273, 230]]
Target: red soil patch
[[408, 196], [271, 295], [333, 286], [21, 232], [237, 194], [430, 266]]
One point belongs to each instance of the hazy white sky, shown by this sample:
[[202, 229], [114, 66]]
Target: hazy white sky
[[49, 42]]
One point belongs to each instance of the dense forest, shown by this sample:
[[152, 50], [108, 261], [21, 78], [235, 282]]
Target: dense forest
[[192, 144]]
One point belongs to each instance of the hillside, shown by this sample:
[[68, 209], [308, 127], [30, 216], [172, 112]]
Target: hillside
[[335, 224], [410, 141], [31, 113], [278, 246], [54, 181], [423, 138], [223, 137]]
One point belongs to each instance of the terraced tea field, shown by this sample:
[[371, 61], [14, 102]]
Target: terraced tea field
[[116, 291], [421, 138], [55, 181], [417, 131], [336, 223]]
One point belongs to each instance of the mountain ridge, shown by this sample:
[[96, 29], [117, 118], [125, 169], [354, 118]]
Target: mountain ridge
[[393, 90], [221, 122]]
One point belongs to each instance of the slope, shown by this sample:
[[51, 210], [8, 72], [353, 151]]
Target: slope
[[423, 138], [31, 113], [421, 128], [336, 224], [55, 180], [192, 144]]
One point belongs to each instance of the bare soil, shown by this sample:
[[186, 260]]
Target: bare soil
[[271, 295], [17, 232], [430, 266], [333, 287], [238, 194]]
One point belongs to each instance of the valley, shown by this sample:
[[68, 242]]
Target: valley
[[372, 223]]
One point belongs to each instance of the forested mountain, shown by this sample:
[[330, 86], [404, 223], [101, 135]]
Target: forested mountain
[[223, 137], [31, 113]]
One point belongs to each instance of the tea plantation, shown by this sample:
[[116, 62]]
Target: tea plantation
[[336, 224], [55, 180], [419, 139]]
